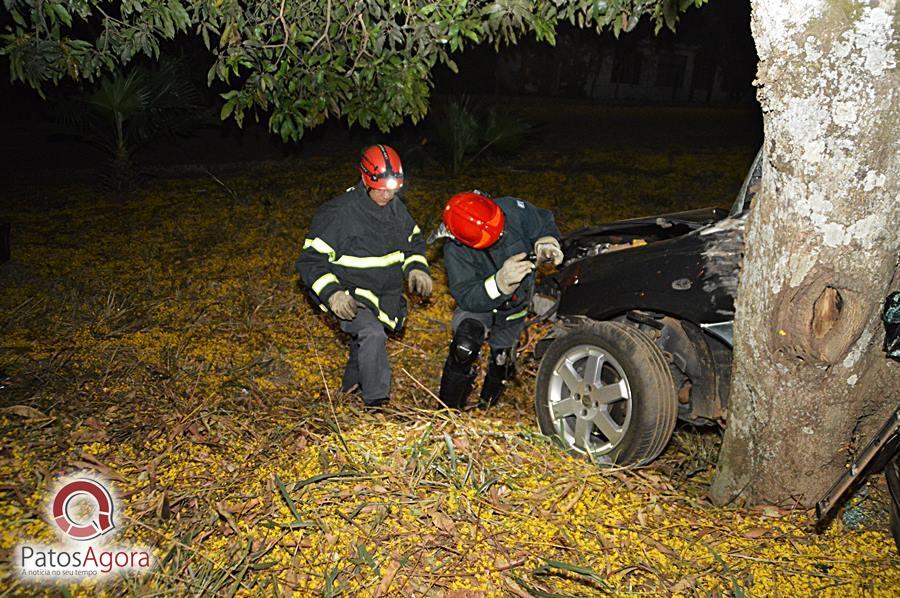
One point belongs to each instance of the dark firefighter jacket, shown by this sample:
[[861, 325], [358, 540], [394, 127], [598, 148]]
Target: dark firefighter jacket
[[355, 245], [471, 273]]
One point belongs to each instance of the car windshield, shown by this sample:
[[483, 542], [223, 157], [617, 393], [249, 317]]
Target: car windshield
[[749, 189]]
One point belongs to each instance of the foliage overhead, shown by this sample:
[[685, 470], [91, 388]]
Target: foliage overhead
[[301, 62]]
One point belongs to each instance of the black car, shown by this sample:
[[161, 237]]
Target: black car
[[642, 333]]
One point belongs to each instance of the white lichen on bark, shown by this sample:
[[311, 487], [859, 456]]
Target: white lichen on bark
[[818, 96], [827, 217]]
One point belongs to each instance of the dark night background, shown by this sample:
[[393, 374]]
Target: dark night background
[[589, 90]]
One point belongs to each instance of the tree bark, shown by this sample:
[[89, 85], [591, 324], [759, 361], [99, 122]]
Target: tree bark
[[810, 381]]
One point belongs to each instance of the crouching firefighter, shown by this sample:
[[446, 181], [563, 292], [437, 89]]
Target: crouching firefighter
[[360, 246], [490, 274]]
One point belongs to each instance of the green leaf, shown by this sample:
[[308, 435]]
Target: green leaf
[[227, 109], [547, 569], [18, 17], [287, 499], [324, 476], [670, 13], [448, 441], [287, 131], [62, 13]]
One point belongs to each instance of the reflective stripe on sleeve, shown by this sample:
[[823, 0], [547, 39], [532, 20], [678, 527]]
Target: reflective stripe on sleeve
[[490, 285], [416, 230], [416, 257], [382, 317], [323, 281], [321, 246], [352, 261], [381, 261], [517, 315]]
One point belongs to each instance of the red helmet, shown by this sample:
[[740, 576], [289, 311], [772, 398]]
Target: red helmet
[[474, 219], [381, 168]]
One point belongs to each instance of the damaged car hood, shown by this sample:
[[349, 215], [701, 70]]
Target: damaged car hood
[[624, 234], [682, 264]]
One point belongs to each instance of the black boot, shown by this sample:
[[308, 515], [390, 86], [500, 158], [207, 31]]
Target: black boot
[[501, 369], [456, 386]]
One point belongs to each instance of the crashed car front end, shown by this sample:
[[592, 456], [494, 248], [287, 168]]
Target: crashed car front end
[[642, 313]]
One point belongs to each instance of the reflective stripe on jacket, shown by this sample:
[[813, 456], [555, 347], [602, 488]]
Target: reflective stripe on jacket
[[471, 273], [354, 244]]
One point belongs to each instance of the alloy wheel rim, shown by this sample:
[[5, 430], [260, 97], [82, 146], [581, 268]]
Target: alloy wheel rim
[[590, 401]]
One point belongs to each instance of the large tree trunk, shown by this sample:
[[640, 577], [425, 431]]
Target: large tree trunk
[[810, 380]]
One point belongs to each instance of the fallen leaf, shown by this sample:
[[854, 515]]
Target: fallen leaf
[[162, 507], [388, 578], [296, 539], [443, 523], [24, 411], [93, 422], [772, 512], [755, 532], [89, 461], [572, 500], [642, 518], [685, 583], [501, 564], [515, 588], [88, 435], [460, 445]]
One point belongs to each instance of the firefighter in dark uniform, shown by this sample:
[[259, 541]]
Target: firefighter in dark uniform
[[360, 247], [491, 278]]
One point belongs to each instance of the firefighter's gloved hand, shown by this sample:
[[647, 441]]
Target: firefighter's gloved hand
[[343, 305], [420, 283], [547, 250], [513, 271]]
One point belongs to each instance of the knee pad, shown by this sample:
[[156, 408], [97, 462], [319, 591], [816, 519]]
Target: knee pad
[[461, 366], [467, 343]]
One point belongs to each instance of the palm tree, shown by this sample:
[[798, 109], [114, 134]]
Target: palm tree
[[128, 109], [465, 129]]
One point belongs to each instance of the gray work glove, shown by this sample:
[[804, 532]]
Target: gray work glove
[[547, 250], [512, 272], [420, 282], [343, 305]]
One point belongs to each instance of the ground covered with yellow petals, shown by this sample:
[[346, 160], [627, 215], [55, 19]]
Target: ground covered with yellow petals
[[160, 338]]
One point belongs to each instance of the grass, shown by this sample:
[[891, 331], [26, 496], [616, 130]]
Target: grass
[[160, 338]]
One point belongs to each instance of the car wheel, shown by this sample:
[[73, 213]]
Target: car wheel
[[604, 391], [892, 473]]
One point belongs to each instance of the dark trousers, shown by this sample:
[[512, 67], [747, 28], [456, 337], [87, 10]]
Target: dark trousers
[[368, 362]]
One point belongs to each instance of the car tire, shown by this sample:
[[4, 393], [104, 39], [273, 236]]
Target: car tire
[[892, 473], [588, 420]]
